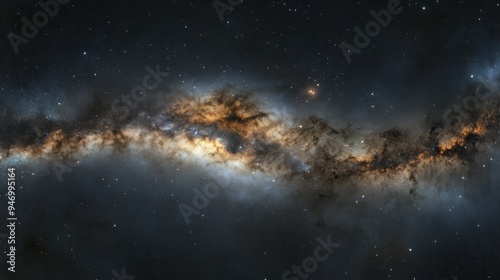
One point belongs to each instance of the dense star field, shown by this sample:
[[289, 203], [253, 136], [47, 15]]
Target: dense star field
[[250, 140]]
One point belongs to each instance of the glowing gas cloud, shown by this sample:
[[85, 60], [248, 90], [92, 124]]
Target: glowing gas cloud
[[232, 128]]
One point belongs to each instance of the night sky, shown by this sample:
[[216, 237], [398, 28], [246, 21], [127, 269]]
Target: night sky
[[250, 140]]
